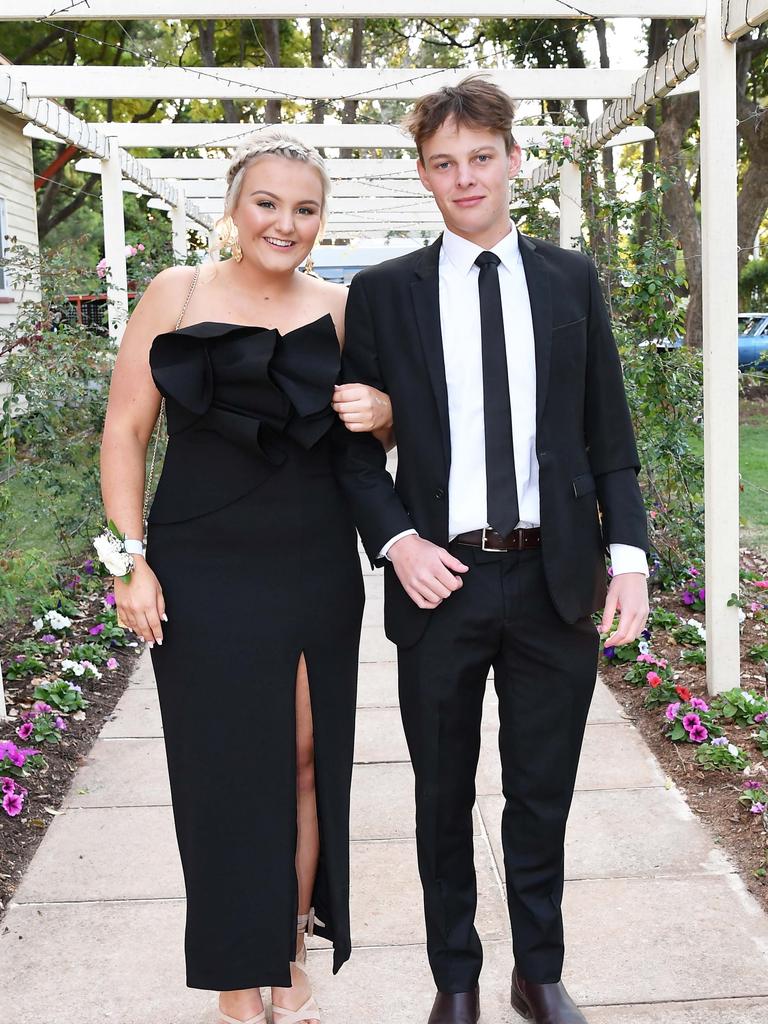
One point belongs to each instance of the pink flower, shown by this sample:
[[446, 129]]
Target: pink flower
[[662, 662], [672, 710], [693, 572], [101, 267], [751, 785], [41, 707], [109, 599], [112, 664], [25, 731], [757, 808], [60, 724], [698, 704], [567, 141], [8, 784], [654, 679], [691, 721], [95, 630], [140, 247], [754, 606], [13, 804], [698, 734], [760, 584]]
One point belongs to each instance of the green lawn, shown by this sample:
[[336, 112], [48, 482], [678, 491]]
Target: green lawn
[[753, 465]]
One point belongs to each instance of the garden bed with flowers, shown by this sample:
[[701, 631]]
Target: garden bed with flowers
[[714, 748], [64, 671]]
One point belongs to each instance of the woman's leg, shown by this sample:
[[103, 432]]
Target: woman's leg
[[308, 837]]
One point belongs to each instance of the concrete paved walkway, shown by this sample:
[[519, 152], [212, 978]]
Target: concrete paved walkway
[[659, 927]]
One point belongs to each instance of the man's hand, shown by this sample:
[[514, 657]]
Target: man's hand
[[628, 593], [425, 570]]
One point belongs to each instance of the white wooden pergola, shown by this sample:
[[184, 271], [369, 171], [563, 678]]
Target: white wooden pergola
[[373, 194]]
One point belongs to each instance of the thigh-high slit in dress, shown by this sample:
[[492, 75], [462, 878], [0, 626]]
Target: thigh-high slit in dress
[[256, 554]]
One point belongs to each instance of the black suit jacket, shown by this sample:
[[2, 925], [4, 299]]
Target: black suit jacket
[[584, 438]]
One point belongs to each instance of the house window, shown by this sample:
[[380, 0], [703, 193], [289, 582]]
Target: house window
[[4, 286]]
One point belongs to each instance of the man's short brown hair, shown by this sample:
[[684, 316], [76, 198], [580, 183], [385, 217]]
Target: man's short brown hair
[[474, 102]]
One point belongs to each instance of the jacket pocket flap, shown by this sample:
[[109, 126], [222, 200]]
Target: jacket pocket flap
[[583, 484]]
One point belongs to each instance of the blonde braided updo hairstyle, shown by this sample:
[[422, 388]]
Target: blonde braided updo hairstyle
[[267, 142]]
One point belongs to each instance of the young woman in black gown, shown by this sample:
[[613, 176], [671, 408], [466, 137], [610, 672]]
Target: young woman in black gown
[[252, 554]]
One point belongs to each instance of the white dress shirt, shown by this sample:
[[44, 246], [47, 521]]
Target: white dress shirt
[[462, 352]]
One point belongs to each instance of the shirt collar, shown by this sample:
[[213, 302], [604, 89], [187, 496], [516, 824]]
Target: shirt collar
[[462, 253]]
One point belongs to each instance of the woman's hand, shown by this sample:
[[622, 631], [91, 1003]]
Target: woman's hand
[[140, 604], [361, 408]]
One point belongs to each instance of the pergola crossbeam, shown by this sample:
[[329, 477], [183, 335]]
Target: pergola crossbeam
[[334, 135], [676, 65], [741, 16], [150, 82], [126, 10]]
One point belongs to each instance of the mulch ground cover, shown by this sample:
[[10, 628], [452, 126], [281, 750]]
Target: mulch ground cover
[[712, 794], [21, 834]]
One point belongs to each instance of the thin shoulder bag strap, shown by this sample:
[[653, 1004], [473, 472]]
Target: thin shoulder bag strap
[[161, 414]]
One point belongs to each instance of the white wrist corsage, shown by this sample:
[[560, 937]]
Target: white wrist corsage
[[111, 549]]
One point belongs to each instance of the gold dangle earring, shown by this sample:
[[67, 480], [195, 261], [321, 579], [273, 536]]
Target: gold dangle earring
[[237, 252], [309, 264]]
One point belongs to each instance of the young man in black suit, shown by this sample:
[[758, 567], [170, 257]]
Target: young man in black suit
[[517, 472]]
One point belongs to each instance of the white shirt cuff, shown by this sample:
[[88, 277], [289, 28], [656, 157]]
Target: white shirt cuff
[[388, 545], [626, 558]]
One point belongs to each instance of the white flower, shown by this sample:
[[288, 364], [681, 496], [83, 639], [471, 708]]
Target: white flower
[[697, 625], [72, 666], [748, 698], [37, 624], [111, 552], [742, 616], [57, 621], [643, 647], [733, 750]]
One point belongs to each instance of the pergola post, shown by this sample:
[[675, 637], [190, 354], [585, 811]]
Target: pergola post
[[114, 241], [571, 214], [178, 215], [720, 307]]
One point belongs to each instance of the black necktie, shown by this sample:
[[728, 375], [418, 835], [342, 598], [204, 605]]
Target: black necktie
[[503, 514]]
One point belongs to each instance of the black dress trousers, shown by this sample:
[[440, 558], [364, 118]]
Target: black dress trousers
[[544, 670]]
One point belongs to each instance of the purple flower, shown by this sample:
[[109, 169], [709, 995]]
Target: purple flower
[[646, 634], [698, 734], [698, 704], [41, 707], [687, 597], [751, 785], [702, 594], [13, 804], [25, 731], [95, 630], [9, 751], [112, 664], [109, 599], [690, 721], [757, 808], [760, 717], [71, 584], [60, 724], [8, 784], [721, 741], [672, 710], [88, 567], [48, 638], [609, 652]]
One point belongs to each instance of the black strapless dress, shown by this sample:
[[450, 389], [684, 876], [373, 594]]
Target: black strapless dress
[[256, 553]]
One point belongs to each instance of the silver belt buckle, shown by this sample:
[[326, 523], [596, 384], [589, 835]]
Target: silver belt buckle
[[482, 540]]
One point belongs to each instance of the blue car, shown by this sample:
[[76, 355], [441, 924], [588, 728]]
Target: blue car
[[753, 341]]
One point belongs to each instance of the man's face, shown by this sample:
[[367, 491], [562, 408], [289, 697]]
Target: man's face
[[468, 172]]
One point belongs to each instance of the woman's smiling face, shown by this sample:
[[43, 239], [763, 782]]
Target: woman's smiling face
[[278, 213]]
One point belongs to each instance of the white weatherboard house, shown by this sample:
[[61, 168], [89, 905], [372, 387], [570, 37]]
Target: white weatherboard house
[[18, 211]]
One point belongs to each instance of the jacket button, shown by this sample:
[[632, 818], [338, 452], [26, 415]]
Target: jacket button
[[439, 493]]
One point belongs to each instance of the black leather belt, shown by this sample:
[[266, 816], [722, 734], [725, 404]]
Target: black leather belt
[[489, 540]]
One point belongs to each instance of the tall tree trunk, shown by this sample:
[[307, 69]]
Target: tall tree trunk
[[657, 42], [607, 152], [207, 39], [317, 53], [678, 114], [273, 113], [753, 133], [355, 60]]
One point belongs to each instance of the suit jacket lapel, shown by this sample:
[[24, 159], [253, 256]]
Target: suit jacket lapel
[[426, 301], [537, 278]]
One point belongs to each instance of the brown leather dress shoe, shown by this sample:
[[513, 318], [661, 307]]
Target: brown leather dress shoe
[[456, 1008], [544, 1004]]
